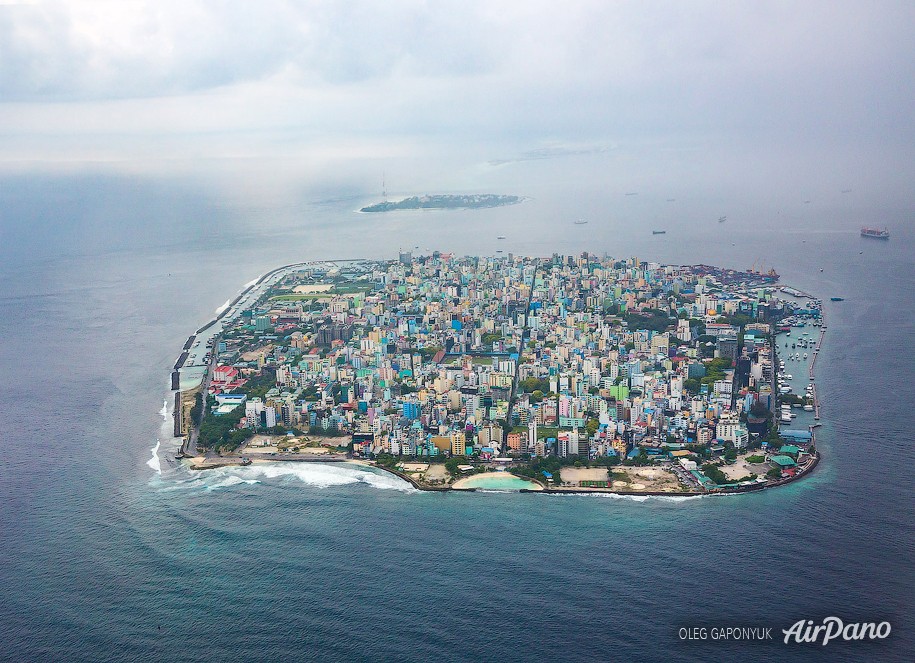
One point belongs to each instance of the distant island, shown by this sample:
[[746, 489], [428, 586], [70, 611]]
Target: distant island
[[472, 201]]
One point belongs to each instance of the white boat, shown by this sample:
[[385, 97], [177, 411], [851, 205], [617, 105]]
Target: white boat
[[805, 355], [808, 408], [789, 376]]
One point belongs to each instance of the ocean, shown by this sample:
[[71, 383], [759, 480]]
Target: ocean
[[111, 552]]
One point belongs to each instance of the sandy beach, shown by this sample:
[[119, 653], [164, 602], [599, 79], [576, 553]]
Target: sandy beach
[[495, 481]]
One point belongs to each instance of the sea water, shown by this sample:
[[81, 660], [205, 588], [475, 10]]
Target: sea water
[[112, 551]]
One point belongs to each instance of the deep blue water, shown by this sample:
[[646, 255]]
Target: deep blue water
[[101, 558]]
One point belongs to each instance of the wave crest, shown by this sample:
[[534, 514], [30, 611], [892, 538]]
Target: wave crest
[[317, 475]]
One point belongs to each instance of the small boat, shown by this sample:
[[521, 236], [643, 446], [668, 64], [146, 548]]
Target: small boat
[[837, 299], [808, 408], [658, 232], [501, 237], [805, 355], [580, 223]]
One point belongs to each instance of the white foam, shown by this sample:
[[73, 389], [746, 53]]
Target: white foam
[[154, 461], [223, 307], [635, 498], [252, 282], [164, 410], [231, 480], [318, 475]]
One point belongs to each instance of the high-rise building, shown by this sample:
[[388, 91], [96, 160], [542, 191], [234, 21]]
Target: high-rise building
[[458, 443]]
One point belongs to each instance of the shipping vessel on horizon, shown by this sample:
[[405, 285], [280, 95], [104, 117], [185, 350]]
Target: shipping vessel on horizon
[[874, 233]]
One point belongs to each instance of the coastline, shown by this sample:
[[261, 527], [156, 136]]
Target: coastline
[[227, 461]]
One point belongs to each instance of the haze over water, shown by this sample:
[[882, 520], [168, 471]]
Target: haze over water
[[129, 214]]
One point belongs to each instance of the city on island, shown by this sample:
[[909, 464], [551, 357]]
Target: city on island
[[562, 374]]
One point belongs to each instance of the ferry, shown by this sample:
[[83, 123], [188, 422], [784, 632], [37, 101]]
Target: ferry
[[658, 232], [874, 233]]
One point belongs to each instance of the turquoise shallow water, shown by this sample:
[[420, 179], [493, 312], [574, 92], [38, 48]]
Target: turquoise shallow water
[[103, 558]]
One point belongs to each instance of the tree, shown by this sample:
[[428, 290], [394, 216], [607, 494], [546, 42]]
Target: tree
[[712, 472], [758, 409]]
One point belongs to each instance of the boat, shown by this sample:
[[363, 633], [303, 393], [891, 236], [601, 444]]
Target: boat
[[875, 233], [805, 355], [501, 237], [658, 232], [837, 299], [808, 408], [580, 223]]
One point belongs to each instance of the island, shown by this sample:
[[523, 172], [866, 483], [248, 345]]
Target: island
[[443, 201], [574, 374]]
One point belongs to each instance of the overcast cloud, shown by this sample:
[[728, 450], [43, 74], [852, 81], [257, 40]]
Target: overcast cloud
[[135, 82]]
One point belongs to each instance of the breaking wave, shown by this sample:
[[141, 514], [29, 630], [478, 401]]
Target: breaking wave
[[154, 461], [317, 475], [635, 498]]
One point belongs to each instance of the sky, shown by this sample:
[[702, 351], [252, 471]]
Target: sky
[[779, 89]]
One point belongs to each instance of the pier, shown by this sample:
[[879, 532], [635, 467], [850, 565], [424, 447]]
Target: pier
[[816, 353]]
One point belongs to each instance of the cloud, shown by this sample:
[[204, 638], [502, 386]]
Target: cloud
[[204, 79]]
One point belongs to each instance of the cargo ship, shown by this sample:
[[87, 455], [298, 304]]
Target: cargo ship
[[874, 233]]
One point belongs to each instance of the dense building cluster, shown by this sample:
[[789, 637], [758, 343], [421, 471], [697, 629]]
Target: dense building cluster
[[507, 357]]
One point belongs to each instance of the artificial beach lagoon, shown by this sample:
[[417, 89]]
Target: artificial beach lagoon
[[496, 481]]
